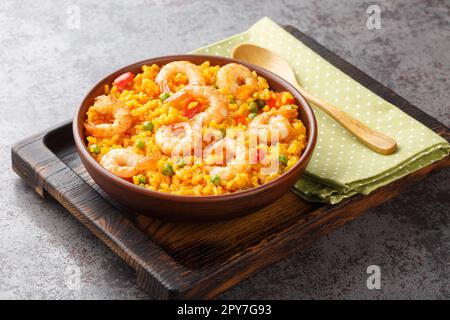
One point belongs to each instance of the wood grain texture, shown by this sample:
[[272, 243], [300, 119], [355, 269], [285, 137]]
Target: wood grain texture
[[200, 260]]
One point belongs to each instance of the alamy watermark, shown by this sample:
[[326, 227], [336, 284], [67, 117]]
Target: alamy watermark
[[236, 146], [73, 21], [374, 280], [374, 17]]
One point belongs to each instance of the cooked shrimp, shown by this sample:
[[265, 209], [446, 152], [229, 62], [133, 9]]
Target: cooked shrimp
[[232, 154], [192, 72], [179, 138], [273, 125], [107, 105], [126, 163], [233, 75], [223, 150], [218, 103], [149, 162]]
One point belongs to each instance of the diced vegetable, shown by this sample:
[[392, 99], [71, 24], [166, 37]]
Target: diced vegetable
[[286, 98], [241, 119], [272, 102], [140, 144], [283, 159], [223, 132], [142, 179], [252, 115], [277, 101], [215, 180], [124, 81], [261, 103], [148, 126], [168, 170], [94, 149], [190, 113], [290, 101], [253, 107], [163, 96]]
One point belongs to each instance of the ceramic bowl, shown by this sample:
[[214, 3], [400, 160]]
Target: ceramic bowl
[[194, 208]]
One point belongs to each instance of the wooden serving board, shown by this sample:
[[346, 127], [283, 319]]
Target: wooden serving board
[[201, 260]]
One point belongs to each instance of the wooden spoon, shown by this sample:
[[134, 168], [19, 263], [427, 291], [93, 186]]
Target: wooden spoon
[[262, 57]]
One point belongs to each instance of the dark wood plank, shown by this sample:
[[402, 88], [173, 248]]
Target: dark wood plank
[[200, 260], [37, 164]]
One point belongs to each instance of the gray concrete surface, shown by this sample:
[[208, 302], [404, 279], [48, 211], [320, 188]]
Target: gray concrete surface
[[46, 68]]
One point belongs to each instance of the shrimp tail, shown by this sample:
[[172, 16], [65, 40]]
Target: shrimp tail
[[287, 113], [148, 163], [177, 97], [164, 86], [89, 128]]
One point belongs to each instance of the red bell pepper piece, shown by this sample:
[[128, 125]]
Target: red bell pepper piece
[[290, 101], [242, 119], [278, 102], [193, 111], [272, 103], [124, 81]]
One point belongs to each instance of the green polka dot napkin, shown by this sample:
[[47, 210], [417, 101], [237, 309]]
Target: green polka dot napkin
[[341, 166]]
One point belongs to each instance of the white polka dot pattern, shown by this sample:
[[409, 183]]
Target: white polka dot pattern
[[342, 166]]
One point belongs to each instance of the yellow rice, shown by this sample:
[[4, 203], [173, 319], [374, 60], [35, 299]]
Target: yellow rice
[[143, 101]]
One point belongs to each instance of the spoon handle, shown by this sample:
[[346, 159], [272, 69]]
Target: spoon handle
[[375, 140]]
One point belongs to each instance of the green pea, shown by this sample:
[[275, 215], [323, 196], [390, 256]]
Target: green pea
[[261, 103], [142, 179], [252, 115], [253, 107], [283, 159], [168, 170], [140, 144], [164, 96], [181, 163], [148, 126], [215, 179], [223, 132], [94, 149]]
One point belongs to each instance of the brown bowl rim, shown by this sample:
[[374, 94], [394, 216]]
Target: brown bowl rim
[[311, 138]]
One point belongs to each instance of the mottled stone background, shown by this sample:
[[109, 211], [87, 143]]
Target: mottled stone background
[[46, 68]]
